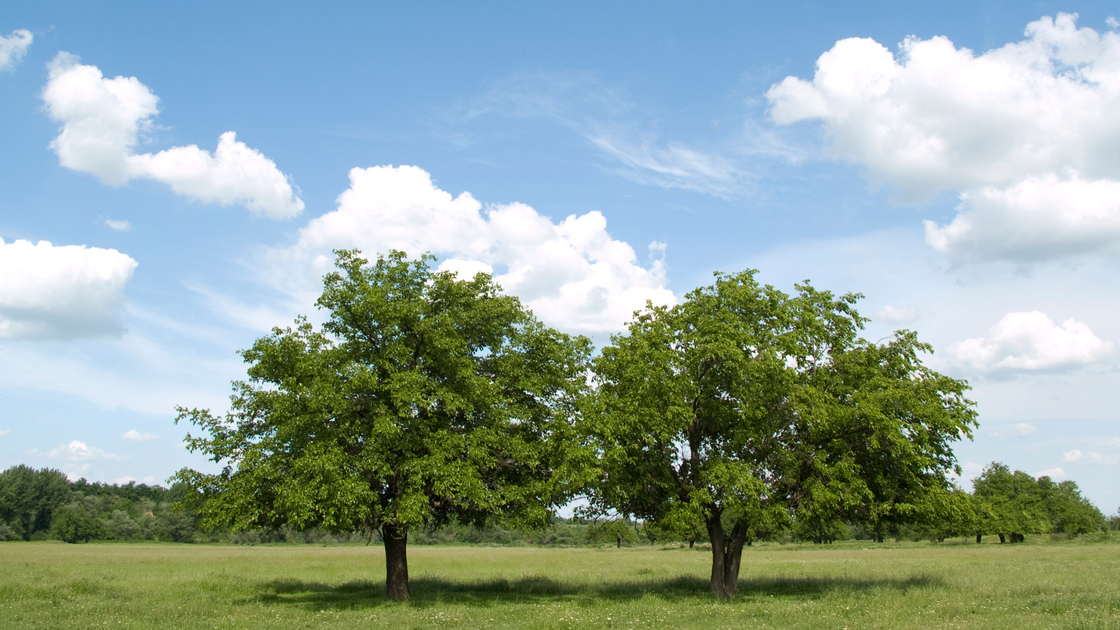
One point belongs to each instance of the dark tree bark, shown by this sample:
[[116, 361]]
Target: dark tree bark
[[1001, 539], [727, 554], [978, 536], [396, 561]]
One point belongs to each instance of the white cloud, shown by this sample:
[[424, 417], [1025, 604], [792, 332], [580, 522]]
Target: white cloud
[[897, 315], [1053, 473], [1090, 456], [1026, 134], [14, 47], [1027, 342], [103, 120], [127, 479], [135, 436], [61, 292], [1022, 429], [601, 115], [78, 457], [120, 226], [5, 431], [670, 166], [572, 274]]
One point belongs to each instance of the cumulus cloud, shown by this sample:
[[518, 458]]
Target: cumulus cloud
[[136, 436], [572, 274], [103, 120], [14, 47], [49, 292], [1053, 473], [1031, 342], [118, 225], [78, 457], [897, 314], [1026, 134]]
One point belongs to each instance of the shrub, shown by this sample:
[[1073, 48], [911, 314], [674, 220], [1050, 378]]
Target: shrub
[[73, 524]]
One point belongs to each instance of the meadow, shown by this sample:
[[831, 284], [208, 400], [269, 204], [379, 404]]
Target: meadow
[[855, 584]]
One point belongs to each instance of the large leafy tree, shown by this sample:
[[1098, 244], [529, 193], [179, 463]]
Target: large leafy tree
[[743, 407], [424, 398]]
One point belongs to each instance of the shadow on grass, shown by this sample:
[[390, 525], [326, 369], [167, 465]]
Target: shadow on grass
[[432, 591]]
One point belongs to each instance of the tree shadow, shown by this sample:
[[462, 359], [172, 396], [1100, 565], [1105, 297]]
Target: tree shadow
[[428, 591]]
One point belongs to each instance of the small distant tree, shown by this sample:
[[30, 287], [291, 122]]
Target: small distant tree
[[1068, 511], [424, 399], [615, 531], [1012, 503]]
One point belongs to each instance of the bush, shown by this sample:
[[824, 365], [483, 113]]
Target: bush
[[6, 533], [122, 527], [73, 524]]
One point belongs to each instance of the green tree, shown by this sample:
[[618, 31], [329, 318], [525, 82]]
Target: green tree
[[29, 497], [74, 523], [615, 531], [424, 398], [743, 406], [1068, 511], [1012, 502]]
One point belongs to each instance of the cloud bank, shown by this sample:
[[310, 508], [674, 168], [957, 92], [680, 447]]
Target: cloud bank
[[14, 47], [572, 274], [1031, 342], [49, 292], [103, 120], [1026, 134]]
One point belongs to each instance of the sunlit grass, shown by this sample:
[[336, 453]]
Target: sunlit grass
[[853, 585]]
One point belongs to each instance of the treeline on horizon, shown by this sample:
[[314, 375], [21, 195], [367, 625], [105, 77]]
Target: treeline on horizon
[[44, 505]]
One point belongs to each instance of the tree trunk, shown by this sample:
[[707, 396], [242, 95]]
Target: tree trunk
[[1001, 539], [727, 554], [978, 536], [396, 561], [691, 544]]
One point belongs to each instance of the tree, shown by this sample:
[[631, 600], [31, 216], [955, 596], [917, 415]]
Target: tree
[[744, 406], [1012, 503], [424, 398], [1068, 511], [74, 523], [29, 497]]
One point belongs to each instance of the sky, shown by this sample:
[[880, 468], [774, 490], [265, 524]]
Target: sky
[[173, 180]]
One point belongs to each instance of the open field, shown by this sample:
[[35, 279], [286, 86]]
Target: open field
[[989, 586]]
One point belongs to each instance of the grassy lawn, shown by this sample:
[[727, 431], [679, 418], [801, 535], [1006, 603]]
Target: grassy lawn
[[847, 585]]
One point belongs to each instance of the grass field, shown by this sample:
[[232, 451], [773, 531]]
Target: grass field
[[921, 585]]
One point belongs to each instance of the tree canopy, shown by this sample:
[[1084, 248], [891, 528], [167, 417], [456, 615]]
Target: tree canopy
[[424, 398], [744, 406]]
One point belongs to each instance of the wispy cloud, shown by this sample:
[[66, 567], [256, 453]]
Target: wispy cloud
[[621, 132]]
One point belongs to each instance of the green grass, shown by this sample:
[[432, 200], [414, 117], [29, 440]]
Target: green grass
[[850, 585]]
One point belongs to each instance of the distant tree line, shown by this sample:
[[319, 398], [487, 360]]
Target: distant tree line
[[43, 504]]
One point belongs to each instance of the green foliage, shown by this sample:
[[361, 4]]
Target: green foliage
[[74, 523], [423, 399], [743, 406], [28, 498], [616, 532], [1016, 503]]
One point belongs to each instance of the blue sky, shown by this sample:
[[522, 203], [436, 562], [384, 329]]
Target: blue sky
[[954, 162]]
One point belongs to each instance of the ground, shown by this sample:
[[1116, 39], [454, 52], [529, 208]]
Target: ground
[[846, 585]]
